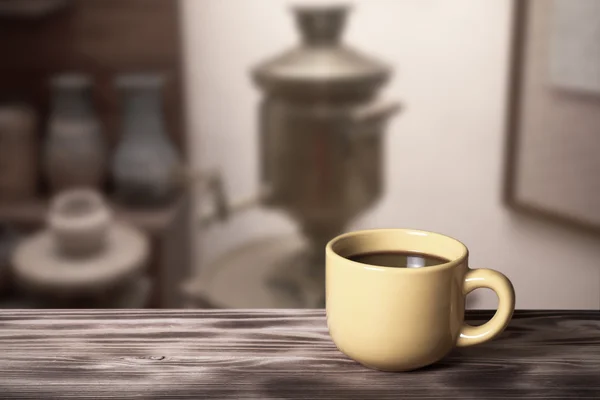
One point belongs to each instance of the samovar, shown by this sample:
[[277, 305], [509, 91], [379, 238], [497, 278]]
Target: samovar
[[321, 148]]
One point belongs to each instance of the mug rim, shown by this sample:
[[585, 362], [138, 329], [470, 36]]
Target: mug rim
[[329, 252]]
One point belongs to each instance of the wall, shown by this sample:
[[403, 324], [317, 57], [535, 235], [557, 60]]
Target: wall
[[444, 153]]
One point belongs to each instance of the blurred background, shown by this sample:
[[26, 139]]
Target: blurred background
[[174, 154]]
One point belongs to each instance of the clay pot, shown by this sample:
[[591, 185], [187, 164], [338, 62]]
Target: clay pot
[[78, 221], [75, 153], [146, 161]]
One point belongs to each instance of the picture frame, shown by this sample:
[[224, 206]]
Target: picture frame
[[552, 154]]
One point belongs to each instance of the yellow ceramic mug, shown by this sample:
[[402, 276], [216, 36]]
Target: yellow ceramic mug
[[399, 319]]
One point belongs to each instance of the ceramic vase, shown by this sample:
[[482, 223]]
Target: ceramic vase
[[145, 162], [75, 149]]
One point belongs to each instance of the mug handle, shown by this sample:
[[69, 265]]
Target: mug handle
[[488, 278]]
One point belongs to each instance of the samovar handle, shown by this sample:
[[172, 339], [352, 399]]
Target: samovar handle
[[221, 207]]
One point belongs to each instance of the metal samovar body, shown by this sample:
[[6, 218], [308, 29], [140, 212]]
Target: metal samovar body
[[321, 126]]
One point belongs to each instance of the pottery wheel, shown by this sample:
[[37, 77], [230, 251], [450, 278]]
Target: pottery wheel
[[39, 267]]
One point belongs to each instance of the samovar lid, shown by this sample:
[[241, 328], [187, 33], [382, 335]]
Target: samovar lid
[[321, 64]]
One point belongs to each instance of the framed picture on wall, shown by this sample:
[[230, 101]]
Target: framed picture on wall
[[553, 139]]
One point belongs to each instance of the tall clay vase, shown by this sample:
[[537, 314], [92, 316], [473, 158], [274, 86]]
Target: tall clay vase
[[146, 163], [75, 153]]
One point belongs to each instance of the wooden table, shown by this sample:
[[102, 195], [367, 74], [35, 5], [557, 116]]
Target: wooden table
[[264, 354]]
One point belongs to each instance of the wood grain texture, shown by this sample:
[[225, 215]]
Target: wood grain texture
[[266, 354]]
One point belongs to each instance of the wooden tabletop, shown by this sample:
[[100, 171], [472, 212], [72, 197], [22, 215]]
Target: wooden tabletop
[[263, 354]]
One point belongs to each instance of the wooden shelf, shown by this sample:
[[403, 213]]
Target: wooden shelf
[[27, 9], [103, 39], [134, 296], [33, 213]]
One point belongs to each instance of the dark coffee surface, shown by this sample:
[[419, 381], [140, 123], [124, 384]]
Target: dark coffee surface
[[398, 259]]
